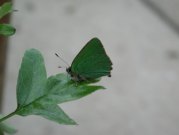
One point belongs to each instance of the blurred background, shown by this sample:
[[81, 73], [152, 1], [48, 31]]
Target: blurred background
[[142, 39]]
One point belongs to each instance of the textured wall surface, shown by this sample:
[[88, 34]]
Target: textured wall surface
[[169, 7], [141, 97]]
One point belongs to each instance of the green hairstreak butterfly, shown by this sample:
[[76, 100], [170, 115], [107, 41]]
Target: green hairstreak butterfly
[[91, 63]]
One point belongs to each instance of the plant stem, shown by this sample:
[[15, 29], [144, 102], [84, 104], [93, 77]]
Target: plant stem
[[8, 116]]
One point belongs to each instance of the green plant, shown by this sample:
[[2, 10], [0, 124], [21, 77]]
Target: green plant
[[6, 29], [4, 127], [38, 94]]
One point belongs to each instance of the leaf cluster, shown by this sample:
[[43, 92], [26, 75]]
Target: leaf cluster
[[6, 29], [38, 94]]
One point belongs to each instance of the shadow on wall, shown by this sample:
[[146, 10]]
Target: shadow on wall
[[162, 14]]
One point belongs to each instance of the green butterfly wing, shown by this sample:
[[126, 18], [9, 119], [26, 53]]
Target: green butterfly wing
[[92, 61]]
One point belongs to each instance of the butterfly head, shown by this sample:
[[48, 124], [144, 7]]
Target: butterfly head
[[75, 77], [68, 70]]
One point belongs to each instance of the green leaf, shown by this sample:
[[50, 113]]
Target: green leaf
[[58, 89], [37, 95], [48, 111], [5, 9], [32, 78], [4, 127], [1, 132], [61, 89], [7, 30]]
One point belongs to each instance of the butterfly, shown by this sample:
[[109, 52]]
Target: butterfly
[[91, 63]]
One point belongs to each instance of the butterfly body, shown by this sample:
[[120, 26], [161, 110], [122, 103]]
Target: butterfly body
[[91, 62], [74, 76]]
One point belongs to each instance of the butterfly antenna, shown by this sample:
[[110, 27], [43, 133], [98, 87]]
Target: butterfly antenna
[[62, 60]]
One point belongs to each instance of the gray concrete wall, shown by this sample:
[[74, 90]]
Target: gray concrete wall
[[169, 7], [141, 97]]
